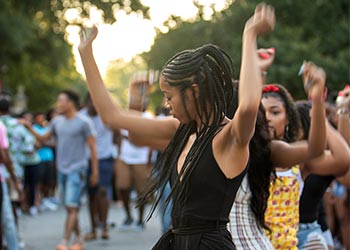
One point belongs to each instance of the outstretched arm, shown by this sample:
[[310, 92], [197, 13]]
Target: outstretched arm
[[41, 138], [110, 113]]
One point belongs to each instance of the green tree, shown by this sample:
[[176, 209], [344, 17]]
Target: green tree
[[118, 77], [311, 30], [33, 49]]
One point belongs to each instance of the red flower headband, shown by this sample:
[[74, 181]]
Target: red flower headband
[[271, 88]]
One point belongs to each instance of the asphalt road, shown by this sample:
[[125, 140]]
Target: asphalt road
[[44, 231]]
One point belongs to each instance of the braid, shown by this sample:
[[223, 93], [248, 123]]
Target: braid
[[211, 69], [260, 168]]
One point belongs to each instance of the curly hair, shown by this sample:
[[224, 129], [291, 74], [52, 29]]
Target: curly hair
[[292, 132]]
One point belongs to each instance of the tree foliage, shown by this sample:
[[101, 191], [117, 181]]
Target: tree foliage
[[33, 49], [305, 30]]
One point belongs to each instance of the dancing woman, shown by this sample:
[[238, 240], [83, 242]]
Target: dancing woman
[[247, 223], [208, 153]]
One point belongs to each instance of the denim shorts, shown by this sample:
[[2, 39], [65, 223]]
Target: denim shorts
[[105, 175], [311, 232], [72, 186], [338, 190]]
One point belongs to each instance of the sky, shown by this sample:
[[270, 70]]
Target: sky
[[131, 34]]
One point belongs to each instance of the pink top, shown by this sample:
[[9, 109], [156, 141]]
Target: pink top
[[4, 144]]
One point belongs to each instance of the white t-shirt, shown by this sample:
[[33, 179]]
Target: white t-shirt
[[131, 154]]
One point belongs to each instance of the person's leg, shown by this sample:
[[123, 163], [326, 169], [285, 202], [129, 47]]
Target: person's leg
[[124, 184], [9, 228], [40, 197], [76, 185], [105, 176], [62, 186], [93, 205], [141, 173], [32, 182], [329, 203], [344, 220], [26, 193], [45, 179], [71, 222]]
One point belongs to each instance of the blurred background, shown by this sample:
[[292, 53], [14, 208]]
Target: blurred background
[[39, 38]]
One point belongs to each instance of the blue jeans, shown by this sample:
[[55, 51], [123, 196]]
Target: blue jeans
[[71, 186], [311, 232], [9, 228]]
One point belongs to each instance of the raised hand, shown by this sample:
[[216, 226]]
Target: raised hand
[[343, 99], [266, 58], [87, 36], [262, 22], [314, 79]]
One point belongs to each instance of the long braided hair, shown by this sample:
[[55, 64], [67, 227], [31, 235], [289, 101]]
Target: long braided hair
[[211, 68], [260, 170]]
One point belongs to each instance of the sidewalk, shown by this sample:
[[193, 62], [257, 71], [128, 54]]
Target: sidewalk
[[44, 231]]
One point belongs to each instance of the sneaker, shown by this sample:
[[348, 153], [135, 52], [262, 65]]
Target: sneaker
[[19, 212], [43, 208], [33, 211], [50, 205], [54, 200], [22, 244], [126, 226]]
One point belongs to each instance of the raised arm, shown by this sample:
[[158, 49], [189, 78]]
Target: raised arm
[[232, 142], [286, 155], [250, 84], [265, 60], [110, 113], [344, 115], [344, 130]]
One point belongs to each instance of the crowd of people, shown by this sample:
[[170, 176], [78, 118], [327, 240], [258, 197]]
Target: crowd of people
[[231, 164]]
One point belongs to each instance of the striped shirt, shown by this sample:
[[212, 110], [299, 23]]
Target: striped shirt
[[246, 233]]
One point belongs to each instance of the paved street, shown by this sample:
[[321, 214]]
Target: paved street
[[44, 231]]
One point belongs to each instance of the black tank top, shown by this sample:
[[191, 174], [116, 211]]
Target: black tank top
[[314, 188], [210, 195]]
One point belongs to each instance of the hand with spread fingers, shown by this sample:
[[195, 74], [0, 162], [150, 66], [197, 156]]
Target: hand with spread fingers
[[262, 22]]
